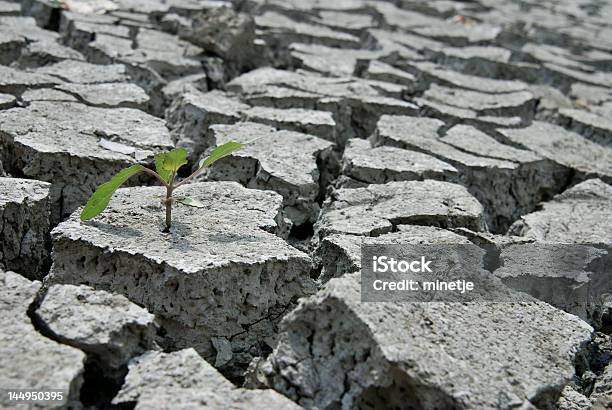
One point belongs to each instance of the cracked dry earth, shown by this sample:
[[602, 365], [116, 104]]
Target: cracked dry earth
[[480, 122]]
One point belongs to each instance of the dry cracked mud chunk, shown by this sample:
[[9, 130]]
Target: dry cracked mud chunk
[[91, 16], [444, 9], [571, 399], [403, 42], [174, 23], [488, 168], [346, 20], [82, 72], [24, 229], [591, 96], [454, 115], [582, 214], [363, 164], [279, 30], [600, 39], [367, 110], [224, 32], [330, 60], [395, 49], [377, 209], [279, 160], [193, 83], [257, 81], [7, 101], [11, 45], [380, 71], [338, 254], [485, 61], [26, 28], [10, 8], [159, 57], [481, 54], [549, 101], [45, 12], [78, 29], [601, 396], [402, 18], [155, 40], [163, 53], [183, 380], [28, 360], [41, 53], [107, 49], [46, 94], [604, 110], [314, 122], [185, 7], [458, 34], [108, 327], [512, 104], [220, 272], [76, 147], [570, 277], [392, 354], [140, 19], [470, 139], [13, 81], [308, 5], [595, 127], [191, 114], [586, 158], [428, 73], [284, 98], [545, 53], [489, 240], [564, 77], [356, 104], [108, 95]]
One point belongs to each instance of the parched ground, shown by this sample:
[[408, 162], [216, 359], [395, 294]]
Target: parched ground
[[481, 122]]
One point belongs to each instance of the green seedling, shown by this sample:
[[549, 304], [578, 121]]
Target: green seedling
[[166, 167]]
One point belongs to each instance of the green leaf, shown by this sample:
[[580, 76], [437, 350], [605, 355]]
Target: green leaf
[[189, 201], [159, 168], [100, 199], [168, 163], [221, 151]]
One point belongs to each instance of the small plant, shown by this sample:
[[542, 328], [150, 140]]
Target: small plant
[[166, 167]]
